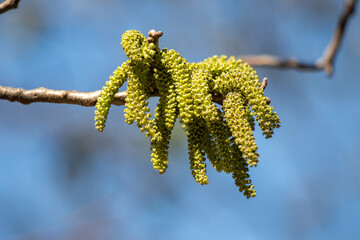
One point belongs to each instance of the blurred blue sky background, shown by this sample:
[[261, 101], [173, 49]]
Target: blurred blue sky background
[[61, 179]]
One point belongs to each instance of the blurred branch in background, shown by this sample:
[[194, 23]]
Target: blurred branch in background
[[325, 62], [8, 5]]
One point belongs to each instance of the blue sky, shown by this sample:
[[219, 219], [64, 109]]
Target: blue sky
[[61, 179]]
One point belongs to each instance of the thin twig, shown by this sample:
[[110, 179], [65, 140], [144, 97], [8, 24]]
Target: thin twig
[[264, 83], [273, 61], [332, 48], [263, 87], [8, 4], [325, 62]]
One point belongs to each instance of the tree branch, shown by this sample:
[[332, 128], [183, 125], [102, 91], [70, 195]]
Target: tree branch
[[8, 4], [325, 62], [87, 99], [41, 94]]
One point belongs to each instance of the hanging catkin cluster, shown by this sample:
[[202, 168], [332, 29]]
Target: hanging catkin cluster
[[187, 90]]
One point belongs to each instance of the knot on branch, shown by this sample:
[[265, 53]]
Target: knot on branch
[[154, 37]]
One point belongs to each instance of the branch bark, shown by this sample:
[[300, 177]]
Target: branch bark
[[41, 94], [8, 4], [324, 63]]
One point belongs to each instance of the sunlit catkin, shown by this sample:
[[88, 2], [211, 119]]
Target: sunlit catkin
[[222, 133]]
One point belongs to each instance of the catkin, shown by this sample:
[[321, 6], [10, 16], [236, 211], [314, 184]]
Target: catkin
[[223, 135]]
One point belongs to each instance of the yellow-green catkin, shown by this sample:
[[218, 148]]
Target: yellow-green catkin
[[196, 134], [136, 104], [244, 80], [220, 134], [236, 117], [203, 105], [166, 113], [180, 70], [137, 48], [239, 169], [166, 85], [141, 54], [187, 90], [160, 144], [107, 95], [210, 146]]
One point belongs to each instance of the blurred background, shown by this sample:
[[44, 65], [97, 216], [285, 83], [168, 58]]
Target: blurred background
[[61, 179]]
